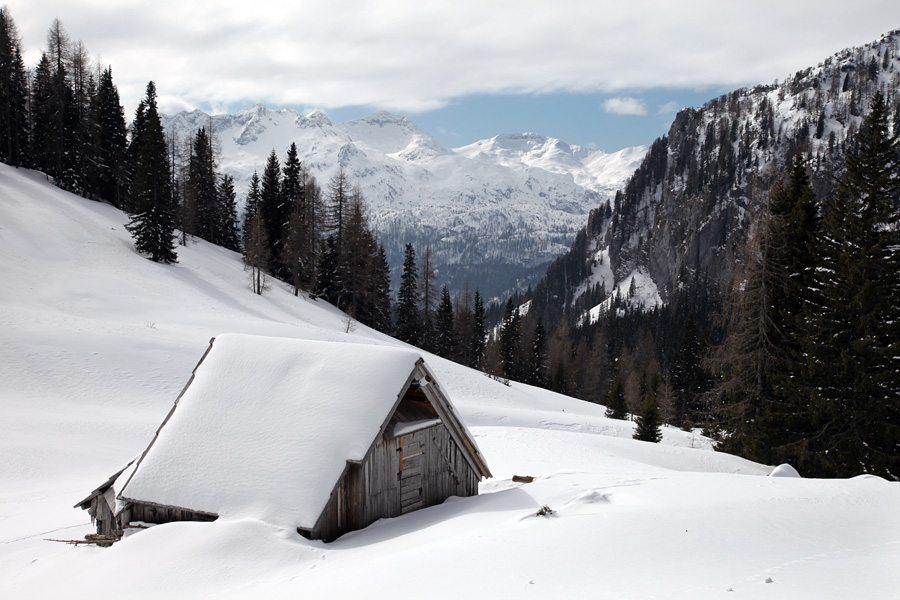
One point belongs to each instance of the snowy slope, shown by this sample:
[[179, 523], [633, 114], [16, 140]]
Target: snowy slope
[[500, 205], [96, 342]]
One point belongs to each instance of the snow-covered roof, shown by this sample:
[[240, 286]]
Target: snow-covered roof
[[266, 426]]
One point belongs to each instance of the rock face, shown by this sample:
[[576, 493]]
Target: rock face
[[494, 212], [688, 209]]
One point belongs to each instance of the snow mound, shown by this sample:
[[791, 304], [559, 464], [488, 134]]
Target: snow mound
[[784, 470]]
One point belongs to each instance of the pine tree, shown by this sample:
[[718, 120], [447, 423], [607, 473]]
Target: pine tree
[[152, 222], [857, 349], [407, 327]]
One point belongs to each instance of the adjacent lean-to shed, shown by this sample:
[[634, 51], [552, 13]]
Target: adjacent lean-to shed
[[324, 437]]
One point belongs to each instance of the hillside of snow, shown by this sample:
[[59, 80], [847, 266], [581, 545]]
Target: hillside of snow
[[96, 342], [489, 210]]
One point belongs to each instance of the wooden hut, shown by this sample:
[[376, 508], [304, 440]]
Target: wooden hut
[[324, 437]]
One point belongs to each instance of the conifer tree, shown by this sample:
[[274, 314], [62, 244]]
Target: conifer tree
[[648, 420], [109, 174], [511, 356], [444, 340], [328, 283], [478, 335], [251, 206], [42, 106], [379, 286], [538, 363], [428, 295], [408, 324], [14, 127], [228, 222], [152, 221], [201, 198], [616, 407], [856, 357], [274, 211]]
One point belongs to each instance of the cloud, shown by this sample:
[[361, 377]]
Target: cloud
[[416, 57], [625, 105], [669, 108]]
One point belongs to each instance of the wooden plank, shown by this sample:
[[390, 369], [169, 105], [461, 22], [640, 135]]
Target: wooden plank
[[414, 494], [407, 474], [413, 486]]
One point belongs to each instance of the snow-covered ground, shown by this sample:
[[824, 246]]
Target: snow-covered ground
[[96, 342]]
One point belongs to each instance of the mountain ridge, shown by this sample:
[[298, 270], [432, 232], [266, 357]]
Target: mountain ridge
[[689, 208], [489, 213]]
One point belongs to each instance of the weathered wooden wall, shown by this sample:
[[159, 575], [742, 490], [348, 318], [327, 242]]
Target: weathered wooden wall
[[400, 474], [152, 513]]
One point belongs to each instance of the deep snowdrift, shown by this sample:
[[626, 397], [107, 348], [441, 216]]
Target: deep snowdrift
[[96, 342]]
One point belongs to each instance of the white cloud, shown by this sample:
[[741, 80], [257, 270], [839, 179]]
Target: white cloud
[[625, 105], [416, 56], [669, 108]]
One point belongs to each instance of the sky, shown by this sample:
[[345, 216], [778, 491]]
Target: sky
[[595, 73]]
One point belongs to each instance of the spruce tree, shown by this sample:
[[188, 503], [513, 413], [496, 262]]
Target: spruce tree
[[228, 221], [42, 106], [152, 221], [379, 286], [109, 175], [444, 340], [428, 295], [328, 282], [407, 327], [273, 211], [251, 206], [511, 355], [857, 346], [202, 208], [648, 420], [14, 127], [616, 407], [539, 362], [478, 335]]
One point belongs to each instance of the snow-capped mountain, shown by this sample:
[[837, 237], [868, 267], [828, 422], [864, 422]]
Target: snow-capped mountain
[[488, 210], [688, 209]]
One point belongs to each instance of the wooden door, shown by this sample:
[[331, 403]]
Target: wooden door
[[412, 465]]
